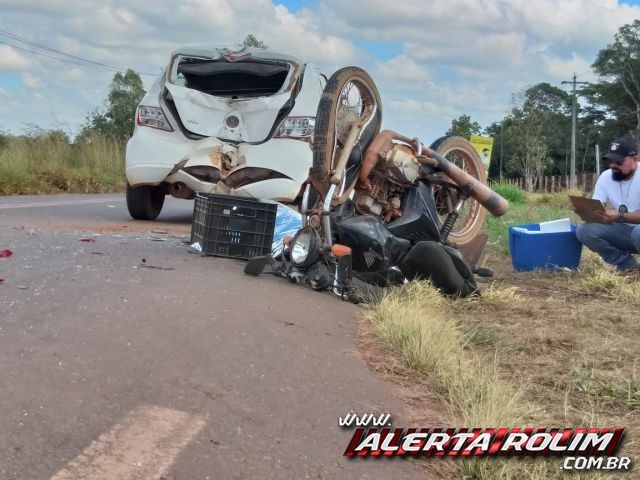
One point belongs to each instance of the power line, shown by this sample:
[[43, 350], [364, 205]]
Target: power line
[[50, 56], [38, 45], [87, 63]]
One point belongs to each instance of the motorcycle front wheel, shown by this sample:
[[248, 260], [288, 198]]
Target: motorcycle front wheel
[[446, 194], [348, 96]]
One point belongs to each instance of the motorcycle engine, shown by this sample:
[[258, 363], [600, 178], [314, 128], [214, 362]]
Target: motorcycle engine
[[397, 170]]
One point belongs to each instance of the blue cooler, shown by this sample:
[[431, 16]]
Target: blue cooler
[[531, 249]]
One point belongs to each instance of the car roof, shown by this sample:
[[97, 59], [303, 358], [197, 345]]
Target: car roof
[[234, 51]]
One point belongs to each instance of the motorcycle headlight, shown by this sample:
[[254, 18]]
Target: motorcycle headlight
[[305, 247]]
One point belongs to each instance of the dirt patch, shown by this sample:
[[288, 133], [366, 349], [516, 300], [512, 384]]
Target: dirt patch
[[153, 228], [160, 228], [569, 346], [573, 348]]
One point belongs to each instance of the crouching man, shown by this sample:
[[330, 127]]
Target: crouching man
[[616, 236]]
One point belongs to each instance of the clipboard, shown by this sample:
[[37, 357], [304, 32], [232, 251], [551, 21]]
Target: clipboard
[[585, 208]]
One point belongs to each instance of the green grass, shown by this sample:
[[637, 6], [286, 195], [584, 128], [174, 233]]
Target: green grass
[[49, 163], [535, 208], [588, 382], [511, 193]]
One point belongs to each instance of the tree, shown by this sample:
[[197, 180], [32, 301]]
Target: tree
[[618, 65], [125, 93], [495, 131], [464, 127], [251, 41], [553, 105], [529, 151], [4, 139], [546, 97]]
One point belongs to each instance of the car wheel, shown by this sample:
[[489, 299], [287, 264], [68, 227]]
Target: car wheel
[[145, 202]]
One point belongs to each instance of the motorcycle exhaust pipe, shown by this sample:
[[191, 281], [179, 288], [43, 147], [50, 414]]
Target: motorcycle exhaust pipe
[[486, 197]]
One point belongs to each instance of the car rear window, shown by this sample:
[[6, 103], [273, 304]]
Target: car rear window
[[232, 79]]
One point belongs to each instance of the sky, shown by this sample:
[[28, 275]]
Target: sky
[[431, 60]]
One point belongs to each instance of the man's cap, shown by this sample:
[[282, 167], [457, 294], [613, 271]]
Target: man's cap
[[620, 148]]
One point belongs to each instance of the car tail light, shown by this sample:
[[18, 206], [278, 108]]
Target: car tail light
[[296, 127], [153, 117]]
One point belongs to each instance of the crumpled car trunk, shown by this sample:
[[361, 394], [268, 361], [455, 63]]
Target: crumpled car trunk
[[238, 100]]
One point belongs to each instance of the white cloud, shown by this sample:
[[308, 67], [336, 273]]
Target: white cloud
[[12, 60], [31, 81], [561, 69], [403, 69], [448, 58], [76, 76], [206, 13]]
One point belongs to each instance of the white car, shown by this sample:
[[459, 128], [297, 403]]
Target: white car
[[238, 123]]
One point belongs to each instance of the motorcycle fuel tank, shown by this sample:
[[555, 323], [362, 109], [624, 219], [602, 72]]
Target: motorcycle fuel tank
[[375, 249], [419, 219]]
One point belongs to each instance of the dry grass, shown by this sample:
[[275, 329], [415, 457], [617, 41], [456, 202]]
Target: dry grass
[[49, 163], [419, 325], [550, 349]]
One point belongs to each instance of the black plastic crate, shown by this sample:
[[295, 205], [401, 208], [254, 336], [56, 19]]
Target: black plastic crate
[[236, 227]]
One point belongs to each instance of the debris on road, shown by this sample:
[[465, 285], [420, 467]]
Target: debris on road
[[144, 264], [155, 267], [195, 248], [88, 240]]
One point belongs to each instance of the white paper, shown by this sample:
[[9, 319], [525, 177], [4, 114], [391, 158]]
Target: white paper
[[555, 226], [528, 232]]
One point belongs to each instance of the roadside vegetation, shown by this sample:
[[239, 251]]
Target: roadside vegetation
[[525, 208], [48, 162], [552, 349]]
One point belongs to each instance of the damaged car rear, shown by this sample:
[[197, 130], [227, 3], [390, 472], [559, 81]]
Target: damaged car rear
[[238, 123]]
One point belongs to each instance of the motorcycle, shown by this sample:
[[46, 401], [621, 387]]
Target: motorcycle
[[380, 207]]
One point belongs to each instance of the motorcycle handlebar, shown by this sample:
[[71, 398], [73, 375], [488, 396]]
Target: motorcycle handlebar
[[489, 199]]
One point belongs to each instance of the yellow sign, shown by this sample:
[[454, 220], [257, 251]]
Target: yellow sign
[[483, 146]]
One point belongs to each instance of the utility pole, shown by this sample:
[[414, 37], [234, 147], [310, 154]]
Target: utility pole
[[572, 175], [501, 146]]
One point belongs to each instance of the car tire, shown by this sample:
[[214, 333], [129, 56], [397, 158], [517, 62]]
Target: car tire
[[144, 202]]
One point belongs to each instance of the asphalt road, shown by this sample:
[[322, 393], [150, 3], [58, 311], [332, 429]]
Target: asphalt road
[[123, 356]]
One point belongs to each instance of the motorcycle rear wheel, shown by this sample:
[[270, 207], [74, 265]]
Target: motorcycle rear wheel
[[349, 95], [459, 151]]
